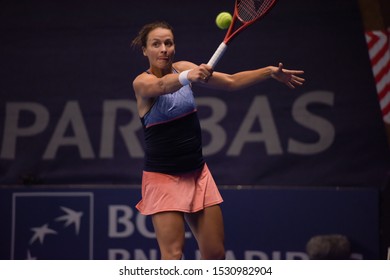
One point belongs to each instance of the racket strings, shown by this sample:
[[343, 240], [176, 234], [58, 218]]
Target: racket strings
[[249, 10]]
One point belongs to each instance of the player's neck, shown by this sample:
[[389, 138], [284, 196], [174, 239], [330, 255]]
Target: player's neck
[[159, 72]]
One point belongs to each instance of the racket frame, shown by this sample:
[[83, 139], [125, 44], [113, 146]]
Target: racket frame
[[230, 35]]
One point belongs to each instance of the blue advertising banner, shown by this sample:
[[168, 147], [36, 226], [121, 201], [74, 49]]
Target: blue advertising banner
[[101, 222], [68, 112]]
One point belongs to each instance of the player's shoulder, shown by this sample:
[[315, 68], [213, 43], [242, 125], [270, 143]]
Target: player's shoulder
[[183, 65], [138, 77], [141, 79]]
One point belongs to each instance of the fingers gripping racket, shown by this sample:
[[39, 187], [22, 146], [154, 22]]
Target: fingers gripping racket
[[247, 12]]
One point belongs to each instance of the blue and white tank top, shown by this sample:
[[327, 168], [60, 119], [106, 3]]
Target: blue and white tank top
[[173, 140]]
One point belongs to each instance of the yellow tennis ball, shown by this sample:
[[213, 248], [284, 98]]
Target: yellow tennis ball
[[223, 20]]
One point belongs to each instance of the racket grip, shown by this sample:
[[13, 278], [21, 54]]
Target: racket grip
[[217, 55]]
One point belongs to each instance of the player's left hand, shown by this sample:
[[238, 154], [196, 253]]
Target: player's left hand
[[288, 77]]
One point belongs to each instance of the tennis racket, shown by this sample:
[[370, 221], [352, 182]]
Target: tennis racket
[[247, 12]]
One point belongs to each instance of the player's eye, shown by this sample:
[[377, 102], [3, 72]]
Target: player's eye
[[169, 43]]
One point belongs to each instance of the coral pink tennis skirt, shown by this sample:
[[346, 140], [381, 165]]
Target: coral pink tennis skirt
[[190, 192]]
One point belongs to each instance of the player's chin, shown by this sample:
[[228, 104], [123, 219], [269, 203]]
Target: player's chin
[[161, 66], [164, 62]]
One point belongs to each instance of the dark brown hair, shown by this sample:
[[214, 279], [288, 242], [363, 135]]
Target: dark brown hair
[[142, 37]]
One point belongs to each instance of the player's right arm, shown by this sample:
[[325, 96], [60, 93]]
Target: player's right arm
[[147, 87], [150, 86]]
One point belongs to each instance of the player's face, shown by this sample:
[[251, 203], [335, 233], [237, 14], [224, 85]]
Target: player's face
[[160, 48]]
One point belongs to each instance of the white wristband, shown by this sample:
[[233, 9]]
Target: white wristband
[[183, 78]]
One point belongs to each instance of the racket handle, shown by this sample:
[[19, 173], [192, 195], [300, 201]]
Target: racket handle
[[217, 55]]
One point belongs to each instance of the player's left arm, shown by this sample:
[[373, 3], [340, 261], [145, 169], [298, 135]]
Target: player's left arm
[[244, 79]]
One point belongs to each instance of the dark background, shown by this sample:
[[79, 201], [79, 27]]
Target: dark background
[[56, 52]]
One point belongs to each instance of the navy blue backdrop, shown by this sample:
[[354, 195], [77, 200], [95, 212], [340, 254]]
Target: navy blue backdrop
[[86, 222], [68, 109]]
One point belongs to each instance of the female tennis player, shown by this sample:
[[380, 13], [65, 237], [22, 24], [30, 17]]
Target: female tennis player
[[177, 186]]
